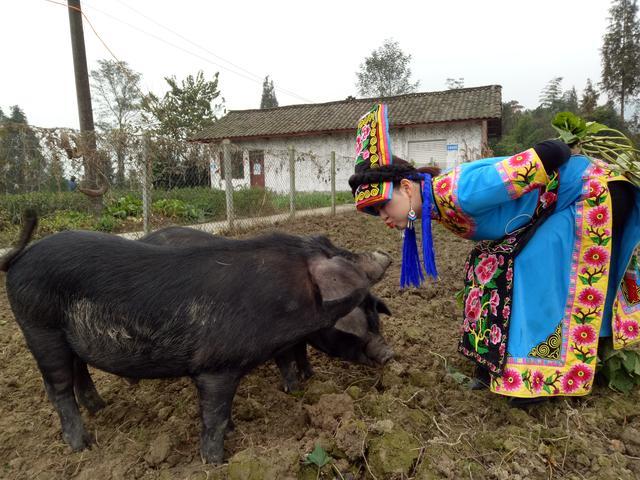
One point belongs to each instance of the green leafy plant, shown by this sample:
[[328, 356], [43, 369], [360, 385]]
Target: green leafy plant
[[621, 368], [596, 140], [125, 207], [175, 208], [318, 457]]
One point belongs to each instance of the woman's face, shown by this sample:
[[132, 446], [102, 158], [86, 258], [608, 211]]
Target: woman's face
[[394, 212]]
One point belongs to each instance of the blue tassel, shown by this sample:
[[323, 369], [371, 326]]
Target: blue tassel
[[411, 271], [428, 253]]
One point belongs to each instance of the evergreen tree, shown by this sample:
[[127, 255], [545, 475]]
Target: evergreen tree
[[621, 53], [269, 99], [589, 100]]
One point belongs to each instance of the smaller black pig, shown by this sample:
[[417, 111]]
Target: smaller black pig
[[355, 337]]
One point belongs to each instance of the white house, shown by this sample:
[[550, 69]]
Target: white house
[[442, 128]]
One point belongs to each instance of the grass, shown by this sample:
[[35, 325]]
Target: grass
[[123, 211]]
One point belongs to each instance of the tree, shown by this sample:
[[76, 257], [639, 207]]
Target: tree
[[116, 89], [21, 155], [454, 84], [269, 99], [386, 72], [511, 113], [589, 100], [186, 109], [570, 100], [621, 53], [551, 95]]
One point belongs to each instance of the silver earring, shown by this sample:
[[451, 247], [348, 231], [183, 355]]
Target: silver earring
[[411, 216]]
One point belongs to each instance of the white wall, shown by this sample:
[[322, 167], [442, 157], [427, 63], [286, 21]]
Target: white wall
[[313, 154]]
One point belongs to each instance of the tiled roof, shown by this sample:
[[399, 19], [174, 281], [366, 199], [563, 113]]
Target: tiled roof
[[404, 110]]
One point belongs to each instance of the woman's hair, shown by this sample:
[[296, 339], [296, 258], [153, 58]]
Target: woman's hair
[[395, 172]]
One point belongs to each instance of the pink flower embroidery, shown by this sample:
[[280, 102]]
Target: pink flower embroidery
[[520, 159], [569, 384], [584, 334], [493, 302], [364, 132], [509, 275], [506, 311], [596, 256], [502, 349], [547, 198], [472, 304], [465, 325], [443, 186], [582, 372], [595, 188], [598, 217], [486, 269], [496, 334], [511, 380], [597, 171], [365, 154], [537, 381], [591, 297], [630, 329], [358, 146]]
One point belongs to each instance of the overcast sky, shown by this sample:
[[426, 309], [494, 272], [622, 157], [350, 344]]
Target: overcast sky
[[310, 49]]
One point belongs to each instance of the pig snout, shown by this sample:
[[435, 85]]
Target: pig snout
[[379, 351]]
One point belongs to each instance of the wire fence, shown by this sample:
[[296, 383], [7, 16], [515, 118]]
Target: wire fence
[[136, 183]]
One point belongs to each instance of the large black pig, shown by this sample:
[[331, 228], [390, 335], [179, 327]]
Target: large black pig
[[147, 311], [355, 337]]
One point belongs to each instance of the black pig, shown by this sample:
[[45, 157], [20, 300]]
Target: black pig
[[147, 311]]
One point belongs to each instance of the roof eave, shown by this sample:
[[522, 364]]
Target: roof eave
[[311, 133]]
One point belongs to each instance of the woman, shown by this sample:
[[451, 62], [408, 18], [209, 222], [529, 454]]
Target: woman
[[555, 273]]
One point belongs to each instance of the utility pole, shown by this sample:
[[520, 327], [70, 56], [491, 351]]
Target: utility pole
[[85, 111]]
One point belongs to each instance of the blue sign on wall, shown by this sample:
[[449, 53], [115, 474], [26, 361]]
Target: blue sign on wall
[[452, 147]]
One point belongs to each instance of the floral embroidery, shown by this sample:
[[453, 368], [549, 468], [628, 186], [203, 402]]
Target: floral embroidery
[[523, 173], [448, 210], [572, 373], [626, 306]]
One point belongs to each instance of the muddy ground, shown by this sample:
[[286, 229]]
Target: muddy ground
[[415, 419]]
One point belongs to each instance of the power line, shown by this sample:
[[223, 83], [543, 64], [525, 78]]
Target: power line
[[258, 77], [248, 76]]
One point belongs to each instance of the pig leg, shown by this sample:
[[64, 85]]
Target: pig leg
[[55, 361], [216, 392], [285, 362], [302, 361], [86, 392]]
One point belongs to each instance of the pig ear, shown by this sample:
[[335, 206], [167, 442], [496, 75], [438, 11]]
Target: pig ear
[[381, 307], [374, 264], [342, 285], [355, 323]]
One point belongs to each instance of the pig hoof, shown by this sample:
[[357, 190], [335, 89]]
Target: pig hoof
[[78, 441], [291, 386], [212, 455], [93, 403]]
